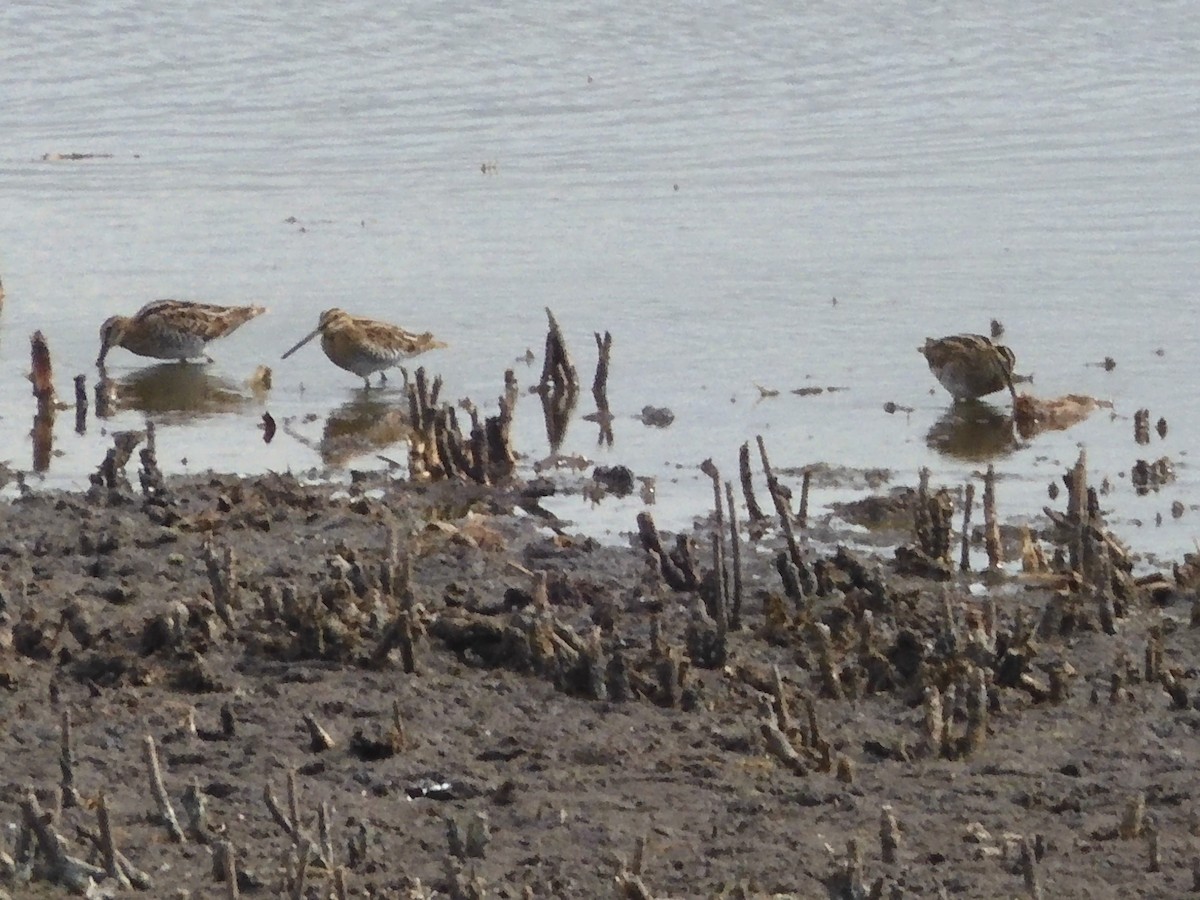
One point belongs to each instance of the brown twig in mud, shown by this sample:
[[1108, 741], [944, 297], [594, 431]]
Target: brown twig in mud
[[753, 510], [159, 790], [807, 582]]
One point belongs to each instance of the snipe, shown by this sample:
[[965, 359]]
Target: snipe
[[365, 346]]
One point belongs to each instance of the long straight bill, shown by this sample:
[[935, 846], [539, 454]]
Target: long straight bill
[[302, 343]]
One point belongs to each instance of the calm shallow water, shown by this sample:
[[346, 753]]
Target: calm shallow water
[[702, 185]]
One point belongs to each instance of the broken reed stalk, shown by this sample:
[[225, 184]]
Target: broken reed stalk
[[889, 834], [324, 835], [720, 568], [42, 375], [197, 814], [807, 582], [977, 711], [43, 392], [781, 748], [805, 483], [964, 562], [1077, 511], [1029, 873], [600, 386], [81, 404], [223, 579], [225, 868], [557, 369], [753, 510], [69, 797], [677, 578], [64, 869], [159, 790], [935, 731], [779, 706], [1133, 821], [320, 740], [735, 605], [108, 846], [991, 525]]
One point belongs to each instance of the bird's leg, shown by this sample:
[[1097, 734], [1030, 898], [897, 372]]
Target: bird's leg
[[383, 377], [366, 383]]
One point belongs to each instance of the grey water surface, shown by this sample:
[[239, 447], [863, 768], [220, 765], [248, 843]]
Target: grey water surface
[[745, 194]]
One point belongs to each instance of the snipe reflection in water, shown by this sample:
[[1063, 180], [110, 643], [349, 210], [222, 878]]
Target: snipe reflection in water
[[182, 390], [972, 430], [370, 422]]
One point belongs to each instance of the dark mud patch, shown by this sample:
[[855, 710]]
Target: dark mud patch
[[433, 686]]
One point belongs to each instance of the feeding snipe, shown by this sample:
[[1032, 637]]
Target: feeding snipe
[[365, 346], [970, 366], [172, 329]]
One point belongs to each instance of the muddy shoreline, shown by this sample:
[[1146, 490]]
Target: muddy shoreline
[[476, 702]]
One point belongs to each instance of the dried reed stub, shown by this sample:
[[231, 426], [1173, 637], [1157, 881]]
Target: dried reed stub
[[603, 415], [557, 369], [1133, 821], [964, 560], [438, 448], [42, 374], [780, 498], [1027, 862], [889, 834], [81, 404], [753, 510], [932, 520], [991, 524]]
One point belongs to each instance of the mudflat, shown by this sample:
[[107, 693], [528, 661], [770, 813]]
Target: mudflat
[[409, 690]]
